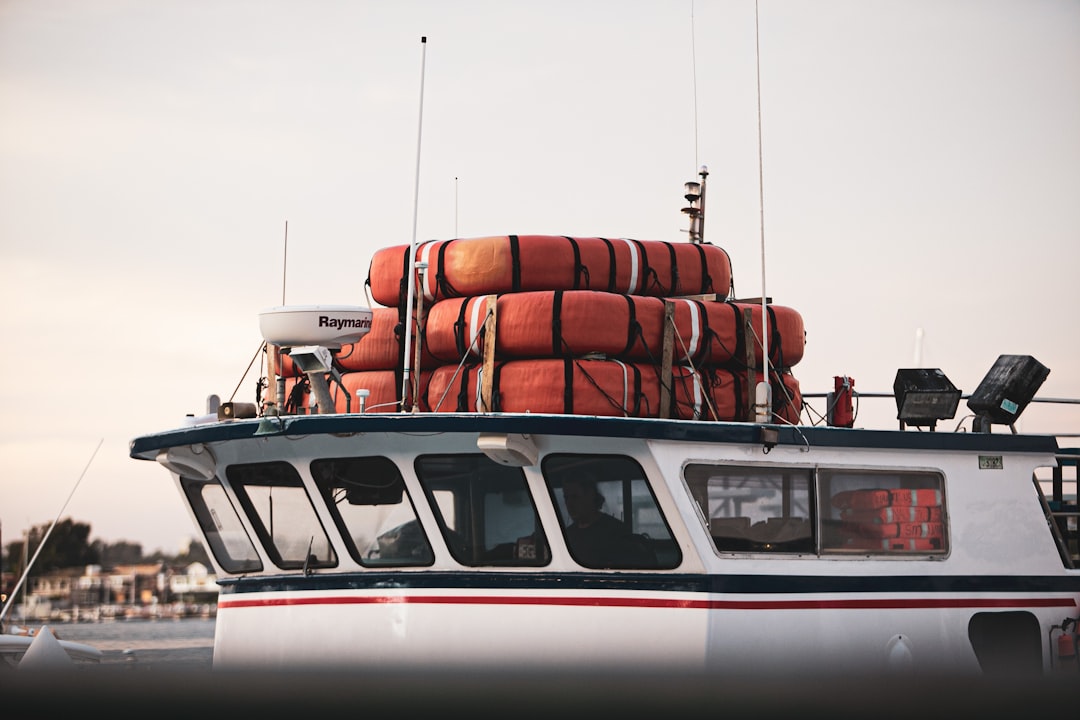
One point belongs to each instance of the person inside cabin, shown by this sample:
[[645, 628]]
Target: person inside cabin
[[595, 538]]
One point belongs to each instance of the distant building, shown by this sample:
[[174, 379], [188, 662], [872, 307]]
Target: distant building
[[139, 590], [197, 584]]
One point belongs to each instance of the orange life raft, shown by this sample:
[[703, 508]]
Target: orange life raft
[[605, 387], [466, 267], [575, 323]]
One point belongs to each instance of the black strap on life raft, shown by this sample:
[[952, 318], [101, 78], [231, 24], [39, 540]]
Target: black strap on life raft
[[580, 271], [633, 327], [742, 399], [611, 272], [557, 342], [515, 263], [676, 282], [463, 389], [568, 385], [461, 330], [776, 347], [706, 283], [443, 288], [403, 284], [708, 335], [496, 395], [635, 392]]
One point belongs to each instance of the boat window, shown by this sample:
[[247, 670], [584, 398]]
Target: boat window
[[754, 509], [281, 512], [372, 510], [609, 515], [220, 524], [484, 510], [882, 511]]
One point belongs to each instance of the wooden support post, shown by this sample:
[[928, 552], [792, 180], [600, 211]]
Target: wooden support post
[[668, 353], [487, 369]]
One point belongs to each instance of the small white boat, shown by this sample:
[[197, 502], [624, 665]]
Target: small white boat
[[40, 649], [600, 509]]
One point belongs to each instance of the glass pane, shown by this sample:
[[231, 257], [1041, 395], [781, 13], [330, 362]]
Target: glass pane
[[373, 511], [754, 509], [608, 513], [221, 526], [274, 498], [484, 509], [890, 512]]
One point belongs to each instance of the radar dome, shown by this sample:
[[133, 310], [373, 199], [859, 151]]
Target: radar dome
[[330, 326]]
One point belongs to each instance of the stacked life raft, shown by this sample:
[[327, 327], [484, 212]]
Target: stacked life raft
[[552, 324], [884, 519]]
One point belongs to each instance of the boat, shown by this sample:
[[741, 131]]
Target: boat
[[30, 649], [507, 498]]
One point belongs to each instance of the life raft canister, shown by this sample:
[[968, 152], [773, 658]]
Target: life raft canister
[[467, 267]]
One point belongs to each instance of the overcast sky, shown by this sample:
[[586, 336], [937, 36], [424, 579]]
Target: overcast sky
[[920, 158]]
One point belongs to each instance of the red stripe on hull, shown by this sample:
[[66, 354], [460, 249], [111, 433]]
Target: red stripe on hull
[[847, 604]]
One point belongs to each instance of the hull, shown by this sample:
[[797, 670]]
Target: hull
[[435, 626], [986, 602]]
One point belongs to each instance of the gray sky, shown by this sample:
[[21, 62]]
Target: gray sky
[[921, 165]]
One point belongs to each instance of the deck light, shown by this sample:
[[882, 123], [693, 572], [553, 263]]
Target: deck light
[[1006, 390], [192, 461], [511, 449], [924, 396]]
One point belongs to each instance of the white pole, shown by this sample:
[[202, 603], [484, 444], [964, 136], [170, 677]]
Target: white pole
[[26, 570], [405, 379], [763, 391]]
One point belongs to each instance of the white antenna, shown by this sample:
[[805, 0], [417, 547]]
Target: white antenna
[[763, 391], [412, 249], [693, 65], [284, 262], [918, 347]]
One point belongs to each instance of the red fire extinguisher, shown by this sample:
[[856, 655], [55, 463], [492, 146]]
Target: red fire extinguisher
[[841, 412], [1066, 645]]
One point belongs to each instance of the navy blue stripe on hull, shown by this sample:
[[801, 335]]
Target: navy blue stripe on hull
[[642, 582]]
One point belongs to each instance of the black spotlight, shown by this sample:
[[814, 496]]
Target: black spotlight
[[1006, 390], [924, 396]]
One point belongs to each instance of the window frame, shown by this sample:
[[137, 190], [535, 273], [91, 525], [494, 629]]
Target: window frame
[[660, 553], [824, 519], [469, 506], [422, 556], [214, 530], [293, 481]]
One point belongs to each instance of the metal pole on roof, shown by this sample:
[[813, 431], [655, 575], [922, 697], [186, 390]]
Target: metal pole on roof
[[410, 265]]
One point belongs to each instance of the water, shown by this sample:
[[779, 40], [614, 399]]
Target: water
[[186, 644]]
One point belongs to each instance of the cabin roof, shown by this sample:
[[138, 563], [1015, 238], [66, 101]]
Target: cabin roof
[[146, 446]]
